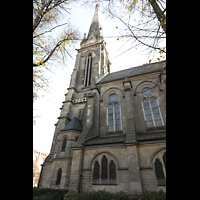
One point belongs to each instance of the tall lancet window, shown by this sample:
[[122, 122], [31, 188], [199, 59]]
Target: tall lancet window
[[88, 70], [96, 171], [151, 109], [104, 168], [59, 175], [114, 116], [159, 172], [64, 143]]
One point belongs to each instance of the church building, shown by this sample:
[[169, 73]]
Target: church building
[[111, 132]]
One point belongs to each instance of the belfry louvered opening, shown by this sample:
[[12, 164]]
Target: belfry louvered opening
[[88, 70]]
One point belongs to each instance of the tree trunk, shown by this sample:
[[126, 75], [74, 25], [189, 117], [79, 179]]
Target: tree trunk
[[159, 13]]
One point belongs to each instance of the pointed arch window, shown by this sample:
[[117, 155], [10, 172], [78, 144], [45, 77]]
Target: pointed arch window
[[114, 115], [151, 110], [88, 70], [59, 174], [112, 171], [96, 171], [104, 168], [159, 172], [104, 171], [64, 143]]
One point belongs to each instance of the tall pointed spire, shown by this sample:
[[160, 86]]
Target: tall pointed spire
[[95, 26], [96, 14]]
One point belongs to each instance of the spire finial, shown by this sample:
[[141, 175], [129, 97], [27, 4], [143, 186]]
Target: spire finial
[[95, 27], [96, 18], [97, 7]]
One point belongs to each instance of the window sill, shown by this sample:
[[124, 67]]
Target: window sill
[[104, 182], [155, 128], [114, 133], [95, 183]]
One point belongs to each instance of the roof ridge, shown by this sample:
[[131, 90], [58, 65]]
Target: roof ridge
[[132, 71], [138, 66]]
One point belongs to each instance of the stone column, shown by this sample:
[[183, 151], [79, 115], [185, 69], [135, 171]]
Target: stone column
[[131, 129], [131, 143], [76, 169], [133, 169]]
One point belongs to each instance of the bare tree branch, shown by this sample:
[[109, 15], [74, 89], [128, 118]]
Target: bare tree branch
[[159, 13], [49, 30]]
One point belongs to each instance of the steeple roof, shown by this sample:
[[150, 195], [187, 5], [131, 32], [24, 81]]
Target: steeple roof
[[74, 125], [95, 26]]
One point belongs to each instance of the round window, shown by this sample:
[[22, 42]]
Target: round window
[[113, 98], [147, 92]]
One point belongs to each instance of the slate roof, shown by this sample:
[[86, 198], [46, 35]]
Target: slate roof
[[106, 140], [133, 71], [74, 124]]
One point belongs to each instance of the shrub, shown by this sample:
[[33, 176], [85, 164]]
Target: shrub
[[151, 195], [48, 194], [57, 194], [99, 195]]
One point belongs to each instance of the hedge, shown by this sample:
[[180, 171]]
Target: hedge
[[58, 194], [48, 194]]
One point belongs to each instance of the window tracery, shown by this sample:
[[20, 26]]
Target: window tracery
[[151, 110], [104, 172], [114, 114]]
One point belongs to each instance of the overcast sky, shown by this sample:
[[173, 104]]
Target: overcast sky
[[47, 107]]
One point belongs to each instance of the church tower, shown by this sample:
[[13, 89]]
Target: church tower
[[91, 65], [92, 59]]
